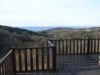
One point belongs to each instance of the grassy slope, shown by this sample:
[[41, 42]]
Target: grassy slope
[[73, 33]]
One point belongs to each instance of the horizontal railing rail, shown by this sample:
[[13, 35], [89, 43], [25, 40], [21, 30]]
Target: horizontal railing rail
[[76, 46], [3, 53], [6, 64], [75, 39]]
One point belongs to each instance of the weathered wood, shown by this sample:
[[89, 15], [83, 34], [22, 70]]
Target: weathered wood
[[42, 58], [59, 47], [48, 59], [88, 46], [20, 61], [66, 47], [84, 47], [77, 47], [54, 58], [73, 46], [98, 46], [91, 46], [50, 43], [70, 46], [63, 47], [37, 60], [25, 59], [5, 57], [5, 68], [94, 50], [31, 58], [55, 44], [80, 46]]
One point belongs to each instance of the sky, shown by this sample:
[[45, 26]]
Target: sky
[[50, 12]]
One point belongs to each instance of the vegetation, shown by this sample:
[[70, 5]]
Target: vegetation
[[69, 33], [15, 37]]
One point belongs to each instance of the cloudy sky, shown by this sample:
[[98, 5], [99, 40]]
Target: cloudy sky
[[50, 12]]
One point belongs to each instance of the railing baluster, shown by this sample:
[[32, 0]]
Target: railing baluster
[[31, 58], [48, 58], [73, 46], [25, 56], [98, 46], [66, 47], [42, 58], [91, 46], [88, 46], [0, 69], [70, 46], [56, 45], [62, 47], [77, 47], [94, 45], [20, 64], [59, 46], [14, 61], [54, 57], [80, 46], [84, 47], [37, 60], [3, 69], [8, 65]]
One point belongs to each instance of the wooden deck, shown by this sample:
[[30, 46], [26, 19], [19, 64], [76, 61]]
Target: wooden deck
[[74, 65], [63, 57]]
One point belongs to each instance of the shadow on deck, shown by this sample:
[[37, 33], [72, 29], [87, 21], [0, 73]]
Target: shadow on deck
[[74, 65]]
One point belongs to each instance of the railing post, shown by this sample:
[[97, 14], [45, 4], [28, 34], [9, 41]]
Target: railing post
[[54, 58], [14, 61], [88, 46]]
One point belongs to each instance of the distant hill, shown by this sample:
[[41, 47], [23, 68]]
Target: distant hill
[[40, 28], [36, 28], [63, 33]]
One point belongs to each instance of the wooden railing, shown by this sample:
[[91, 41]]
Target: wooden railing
[[29, 60], [35, 59], [44, 58], [50, 44], [76, 46], [6, 64]]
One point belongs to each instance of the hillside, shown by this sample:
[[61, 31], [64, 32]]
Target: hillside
[[63, 33], [15, 37]]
